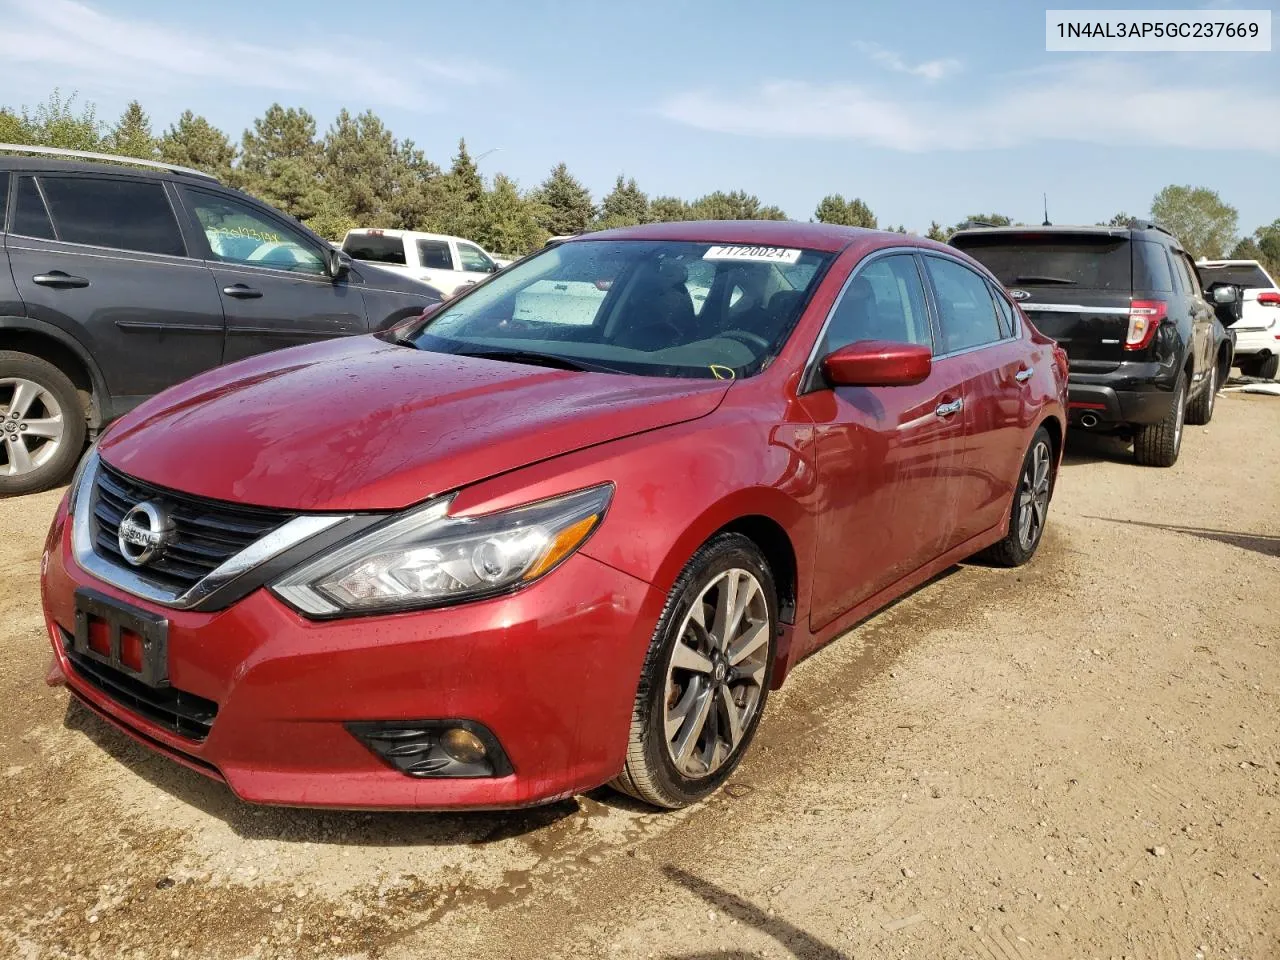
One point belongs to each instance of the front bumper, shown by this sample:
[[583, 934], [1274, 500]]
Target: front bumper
[[1139, 393], [551, 671]]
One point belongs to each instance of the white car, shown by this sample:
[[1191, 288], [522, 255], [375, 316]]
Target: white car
[[446, 263], [1258, 329]]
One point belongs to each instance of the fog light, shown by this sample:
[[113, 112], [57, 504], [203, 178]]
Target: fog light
[[463, 745]]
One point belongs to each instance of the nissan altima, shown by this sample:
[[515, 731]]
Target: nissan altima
[[529, 544]]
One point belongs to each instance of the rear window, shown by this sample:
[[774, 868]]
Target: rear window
[[1250, 277], [121, 214], [374, 248], [1096, 263]]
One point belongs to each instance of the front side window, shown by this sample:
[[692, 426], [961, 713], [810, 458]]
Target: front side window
[[121, 214], [627, 306], [30, 218], [474, 259], [966, 312], [434, 255], [374, 248], [884, 301], [239, 234]]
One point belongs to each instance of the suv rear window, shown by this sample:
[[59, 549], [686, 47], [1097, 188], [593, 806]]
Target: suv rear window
[[121, 214], [1250, 277], [1095, 263], [374, 248]]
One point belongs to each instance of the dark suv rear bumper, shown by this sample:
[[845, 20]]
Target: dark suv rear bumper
[[1132, 393]]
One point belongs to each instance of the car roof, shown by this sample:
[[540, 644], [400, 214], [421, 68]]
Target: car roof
[[824, 237], [413, 234], [1227, 263], [47, 165]]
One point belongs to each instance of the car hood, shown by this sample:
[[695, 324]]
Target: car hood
[[362, 424]]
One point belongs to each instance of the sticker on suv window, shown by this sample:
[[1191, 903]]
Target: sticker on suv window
[[759, 254]]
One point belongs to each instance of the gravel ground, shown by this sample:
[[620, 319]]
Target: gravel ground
[[1077, 759]]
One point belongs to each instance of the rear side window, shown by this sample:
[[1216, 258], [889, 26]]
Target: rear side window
[[1093, 262], [374, 248], [434, 254], [1189, 282], [967, 314], [4, 197], [30, 218], [1004, 314], [1151, 267], [122, 214]]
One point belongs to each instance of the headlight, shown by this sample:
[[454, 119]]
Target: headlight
[[428, 558]]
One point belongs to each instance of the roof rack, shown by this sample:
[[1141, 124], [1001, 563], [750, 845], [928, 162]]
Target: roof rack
[[970, 224], [89, 155], [1136, 224]]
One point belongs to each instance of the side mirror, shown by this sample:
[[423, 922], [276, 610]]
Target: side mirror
[[1227, 303], [877, 363], [1225, 294], [335, 265]]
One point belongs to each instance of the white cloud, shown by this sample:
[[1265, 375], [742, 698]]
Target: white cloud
[[928, 70], [1093, 101], [75, 37]]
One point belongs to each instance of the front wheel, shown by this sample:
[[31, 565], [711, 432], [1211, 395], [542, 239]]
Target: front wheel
[[1030, 506], [706, 676], [42, 424]]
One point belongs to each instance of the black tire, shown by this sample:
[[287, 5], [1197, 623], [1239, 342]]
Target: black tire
[[1268, 368], [1200, 409], [1250, 366], [1019, 544], [57, 463], [651, 773], [1158, 444]]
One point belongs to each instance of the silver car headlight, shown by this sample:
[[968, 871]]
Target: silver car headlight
[[427, 558]]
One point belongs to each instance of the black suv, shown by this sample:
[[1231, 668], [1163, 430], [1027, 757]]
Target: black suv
[[124, 280], [1147, 350]]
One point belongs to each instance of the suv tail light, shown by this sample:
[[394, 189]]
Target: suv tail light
[[1269, 299], [1144, 321]]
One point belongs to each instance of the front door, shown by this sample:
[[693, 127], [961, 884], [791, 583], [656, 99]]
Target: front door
[[889, 459], [102, 258], [271, 277]]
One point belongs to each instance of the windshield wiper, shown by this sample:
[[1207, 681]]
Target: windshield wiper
[[534, 358], [1034, 279]]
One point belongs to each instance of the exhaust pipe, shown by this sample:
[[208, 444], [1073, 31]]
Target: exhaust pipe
[[1089, 420]]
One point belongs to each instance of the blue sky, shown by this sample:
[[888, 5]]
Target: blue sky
[[926, 110]]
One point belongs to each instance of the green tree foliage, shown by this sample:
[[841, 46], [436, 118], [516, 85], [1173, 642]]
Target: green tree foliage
[[373, 179], [1198, 217], [132, 135], [1121, 219], [508, 222], [564, 203], [937, 232], [281, 162], [194, 142], [1267, 240], [13, 129], [626, 205], [669, 210], [994, 219], [834, 208], [58, 123], [737, 205]]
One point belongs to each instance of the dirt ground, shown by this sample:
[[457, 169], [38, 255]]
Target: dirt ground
[[1077, 759]]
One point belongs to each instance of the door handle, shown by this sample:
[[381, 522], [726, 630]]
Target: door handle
[[1022, 376], [949, 409], [241, 292], [56, 278]]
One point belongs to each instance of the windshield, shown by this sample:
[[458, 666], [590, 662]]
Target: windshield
[[1249, 276], [1100, 263], [656, 308]]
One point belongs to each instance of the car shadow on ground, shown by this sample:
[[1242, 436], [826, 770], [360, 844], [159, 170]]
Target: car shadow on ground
[[297, 825], [798, 942], [1265, 544], [1084, 448]]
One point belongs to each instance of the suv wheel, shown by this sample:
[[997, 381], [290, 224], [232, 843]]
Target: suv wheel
[[706, 677], [1158, 444], [1200, 410], [1269, 367], [42, 424]]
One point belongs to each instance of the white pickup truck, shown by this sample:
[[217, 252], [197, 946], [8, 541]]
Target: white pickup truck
[[446, 263]]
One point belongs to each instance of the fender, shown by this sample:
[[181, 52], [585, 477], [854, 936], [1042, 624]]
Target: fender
[[100, 402]]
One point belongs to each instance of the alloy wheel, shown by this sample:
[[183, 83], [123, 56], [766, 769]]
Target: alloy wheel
[[716, 673], [1033, 496], [31, 426]]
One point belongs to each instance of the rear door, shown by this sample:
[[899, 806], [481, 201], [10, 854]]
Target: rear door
[[103, 258], [1075, 287], [437, 260], [271, 277], [1199, 315]]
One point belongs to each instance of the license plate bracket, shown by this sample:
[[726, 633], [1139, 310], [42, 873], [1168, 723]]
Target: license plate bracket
[[118, 617]]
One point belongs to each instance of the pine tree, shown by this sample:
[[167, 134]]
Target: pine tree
[[194, 142], [624, 206], [737, 205], [507, 222], [668, 210], [132, 135], [565, 203], [281, 162], [936, 232], [834, 208]]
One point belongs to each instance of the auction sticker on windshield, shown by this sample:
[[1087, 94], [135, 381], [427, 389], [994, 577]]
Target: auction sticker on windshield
[[760, 254]]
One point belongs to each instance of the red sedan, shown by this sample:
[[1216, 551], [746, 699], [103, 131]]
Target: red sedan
[[569, 529]]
